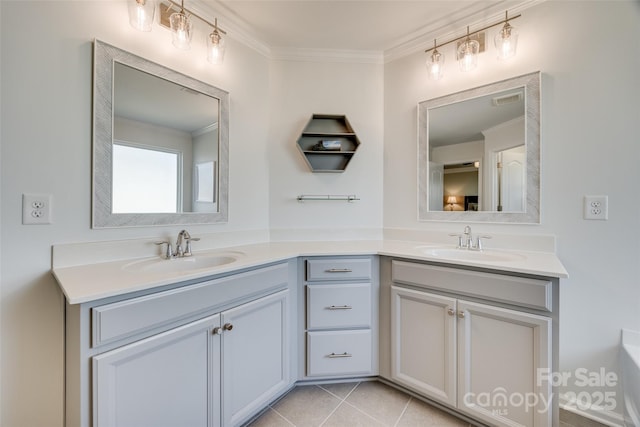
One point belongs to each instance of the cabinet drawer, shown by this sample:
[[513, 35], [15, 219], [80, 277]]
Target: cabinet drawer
[[522, 291], [339, 306], [338, 269], [339, 353], [122, 319]]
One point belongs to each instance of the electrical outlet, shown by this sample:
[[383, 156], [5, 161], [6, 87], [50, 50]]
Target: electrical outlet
[[596, 207], [36, 208]]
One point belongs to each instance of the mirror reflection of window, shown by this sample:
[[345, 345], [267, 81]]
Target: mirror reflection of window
[[145, 180]]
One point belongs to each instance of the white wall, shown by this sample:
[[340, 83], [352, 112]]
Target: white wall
[[300, 89], [46, 148], [588, 52], [589, 146]]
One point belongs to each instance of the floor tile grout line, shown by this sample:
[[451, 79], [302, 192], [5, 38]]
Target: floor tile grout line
[[339, 404], [338, 397], [282, 416], [403, 411], [365, 413]]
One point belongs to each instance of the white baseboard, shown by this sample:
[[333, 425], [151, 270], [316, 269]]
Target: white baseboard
[[594, 412]]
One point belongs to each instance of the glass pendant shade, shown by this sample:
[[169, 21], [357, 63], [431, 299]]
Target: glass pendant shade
[[141, 14], [468, 54], [506, 42], [435, 63], [181, 30], [215, 48]]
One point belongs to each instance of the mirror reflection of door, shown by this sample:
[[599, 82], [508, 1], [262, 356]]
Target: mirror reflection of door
[[157, 117], [511, 179]]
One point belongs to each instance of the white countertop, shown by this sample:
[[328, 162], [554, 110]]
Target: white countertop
[[93, 281]]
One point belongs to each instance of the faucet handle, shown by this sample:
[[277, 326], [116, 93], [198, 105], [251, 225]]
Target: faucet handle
[[479, 241], [459, 236], [169, 252], [187, 248]]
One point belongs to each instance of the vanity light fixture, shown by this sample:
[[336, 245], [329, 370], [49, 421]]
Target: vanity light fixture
[[435, 63], [141, 14], [506, 40], [468, 54], [181, 29], [178, 19], [215, 45], [467, 51]]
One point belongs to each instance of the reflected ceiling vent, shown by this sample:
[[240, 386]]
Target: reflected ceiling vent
[[506, 99], [189, 91]]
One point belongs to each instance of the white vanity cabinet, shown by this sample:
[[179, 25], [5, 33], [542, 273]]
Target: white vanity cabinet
[[164, 380], [476, 341], [211, 353], [340, 317], [255, 361]]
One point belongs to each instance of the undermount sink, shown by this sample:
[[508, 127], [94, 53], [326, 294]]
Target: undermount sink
[[183, 264], [471, 255]]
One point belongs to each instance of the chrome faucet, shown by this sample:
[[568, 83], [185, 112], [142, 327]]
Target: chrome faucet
[[468, 240], [184, 238], [465, 240]]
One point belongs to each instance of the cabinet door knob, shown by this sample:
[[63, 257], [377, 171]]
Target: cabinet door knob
[[461, 314], [217, 330], [451, 312], [227, 326]]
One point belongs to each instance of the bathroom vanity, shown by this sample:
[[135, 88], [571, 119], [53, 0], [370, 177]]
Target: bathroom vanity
[[167, 357], [212, 340], [340, 317], [477, 341]]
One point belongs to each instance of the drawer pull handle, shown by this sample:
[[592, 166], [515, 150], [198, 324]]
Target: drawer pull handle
[[339, 355], [339, 307], [339, 270]]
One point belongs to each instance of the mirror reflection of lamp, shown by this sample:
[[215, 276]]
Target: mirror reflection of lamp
[[451, 200]]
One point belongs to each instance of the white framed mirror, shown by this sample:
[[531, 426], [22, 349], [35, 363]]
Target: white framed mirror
[[160, 144], [479, 154]]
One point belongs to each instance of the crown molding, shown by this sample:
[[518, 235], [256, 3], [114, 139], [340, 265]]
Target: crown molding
[[450, 28], [327, 55], [236, 27]]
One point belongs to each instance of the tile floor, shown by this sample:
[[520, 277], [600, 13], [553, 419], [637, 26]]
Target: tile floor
[[366, 404]]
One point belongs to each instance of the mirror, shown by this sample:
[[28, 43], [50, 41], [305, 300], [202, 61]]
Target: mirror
[[479, 154], [161, 144]]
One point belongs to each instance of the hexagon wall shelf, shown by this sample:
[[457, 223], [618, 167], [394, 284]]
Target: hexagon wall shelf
[[328, 143]]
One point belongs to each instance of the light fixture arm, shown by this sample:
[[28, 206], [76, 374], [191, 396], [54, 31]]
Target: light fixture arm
[[505, 20], [183, 10]]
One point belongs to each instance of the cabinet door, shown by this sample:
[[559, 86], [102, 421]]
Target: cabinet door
[[423, 337], [164, 380], [255, 356], [501, 356]]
